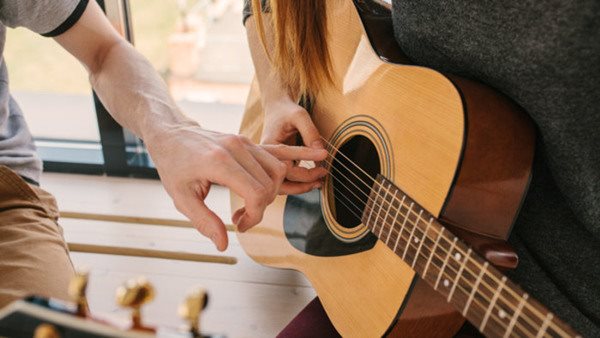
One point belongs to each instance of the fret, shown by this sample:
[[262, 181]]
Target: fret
[[422, 241], [412, 232], [501, 306], [515, 316], [379, 213], [409, 210], [401, 231], [395, 218], [545, 325], [373, 207], [492, 304], [386, 216], [433, 251], [472, 294], [462, 267], [437, 282]]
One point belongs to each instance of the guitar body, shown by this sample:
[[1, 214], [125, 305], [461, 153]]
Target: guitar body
[[459, 149]]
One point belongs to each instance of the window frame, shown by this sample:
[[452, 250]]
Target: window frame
[[119, 152]]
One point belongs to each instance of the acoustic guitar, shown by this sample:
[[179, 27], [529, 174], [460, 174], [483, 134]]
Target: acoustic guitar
[[421, 163]]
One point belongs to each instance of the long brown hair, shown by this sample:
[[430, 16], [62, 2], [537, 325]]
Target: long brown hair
[[300, 54]]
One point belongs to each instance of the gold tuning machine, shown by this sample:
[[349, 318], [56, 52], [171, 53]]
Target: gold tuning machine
[[77, 291], [133, 295], [46, 331], [192, 307]]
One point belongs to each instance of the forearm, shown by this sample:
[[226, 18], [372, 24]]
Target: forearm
[[188, 158], [134, 94]]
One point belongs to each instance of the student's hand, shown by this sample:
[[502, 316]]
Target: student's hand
[[284, 120], [189, 159]]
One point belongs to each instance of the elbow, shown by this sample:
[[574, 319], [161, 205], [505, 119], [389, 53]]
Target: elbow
[[103, 54]]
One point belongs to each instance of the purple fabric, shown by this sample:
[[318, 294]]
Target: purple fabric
[[312, 321]]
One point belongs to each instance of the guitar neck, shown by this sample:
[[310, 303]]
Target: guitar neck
[[484, 296]]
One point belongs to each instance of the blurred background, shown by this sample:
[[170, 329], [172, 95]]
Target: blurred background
[[199, 48]]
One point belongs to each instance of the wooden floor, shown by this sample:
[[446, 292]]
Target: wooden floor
[[246, 299]]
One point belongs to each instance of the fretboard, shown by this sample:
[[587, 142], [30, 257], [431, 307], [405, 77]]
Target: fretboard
[[484, 296]]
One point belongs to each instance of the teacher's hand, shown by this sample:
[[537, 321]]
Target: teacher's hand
[[190, 159]]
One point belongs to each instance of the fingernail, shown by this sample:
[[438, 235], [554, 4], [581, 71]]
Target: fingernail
[[238, 224], [317, 144]]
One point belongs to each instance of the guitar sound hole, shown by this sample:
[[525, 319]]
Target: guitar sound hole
[[354, 168]]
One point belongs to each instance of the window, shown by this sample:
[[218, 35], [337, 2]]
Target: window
[[200, 49], [198, 46], [53, 91]]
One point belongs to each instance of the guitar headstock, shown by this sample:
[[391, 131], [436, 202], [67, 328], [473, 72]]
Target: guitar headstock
[[41, 317]]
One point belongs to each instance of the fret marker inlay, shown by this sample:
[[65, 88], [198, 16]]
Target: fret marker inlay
[[423, 241], [437, 282], [492, 304], [459, 274], [412, 233]]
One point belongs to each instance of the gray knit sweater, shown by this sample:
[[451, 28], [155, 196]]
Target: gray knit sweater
[[545, 55]]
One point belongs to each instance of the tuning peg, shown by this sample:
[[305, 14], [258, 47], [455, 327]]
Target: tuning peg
[[77, 291], [134, 294], [192, 307], [46, 331]]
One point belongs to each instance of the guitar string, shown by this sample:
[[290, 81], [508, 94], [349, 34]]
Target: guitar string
[[431, 251], [502, 326], [475, 301], [530, 307], [484, 283]]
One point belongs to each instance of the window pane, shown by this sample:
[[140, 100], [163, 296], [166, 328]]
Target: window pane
[[51, 87], [200, 49]]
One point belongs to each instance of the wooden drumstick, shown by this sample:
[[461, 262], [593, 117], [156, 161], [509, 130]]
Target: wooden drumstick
[[147, 253]]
